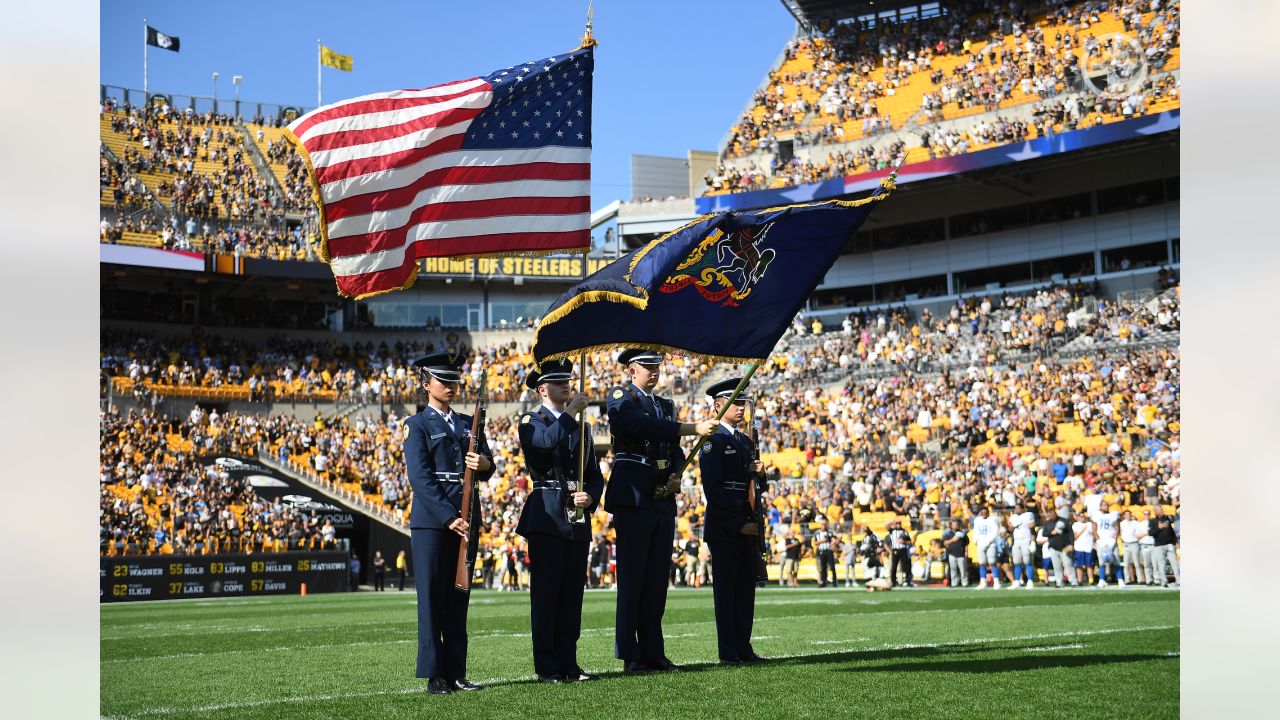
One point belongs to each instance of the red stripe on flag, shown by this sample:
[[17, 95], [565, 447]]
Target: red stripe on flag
[[381, 104], [369, 283], [472, 175], [349, 138], [439, 212], [390, 161]]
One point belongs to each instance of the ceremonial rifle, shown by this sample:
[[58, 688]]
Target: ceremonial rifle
[[762, 554], [467, 548]]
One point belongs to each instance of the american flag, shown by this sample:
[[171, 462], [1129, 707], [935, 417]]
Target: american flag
[[485, 166]]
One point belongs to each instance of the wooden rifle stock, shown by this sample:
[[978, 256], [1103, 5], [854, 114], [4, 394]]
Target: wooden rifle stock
[[467, 547]]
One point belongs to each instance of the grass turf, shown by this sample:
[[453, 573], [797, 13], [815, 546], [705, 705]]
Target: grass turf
[[839, 653]]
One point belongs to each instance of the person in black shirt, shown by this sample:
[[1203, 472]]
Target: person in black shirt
[[956, 540], [1059, 536], [870, 548], [1165, 549], [379, 571]]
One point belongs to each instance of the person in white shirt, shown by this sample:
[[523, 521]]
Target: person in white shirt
[[985, 529], [1085, 560], [1134, 571], [1108, 525], [1146, 546], [1022, 523]]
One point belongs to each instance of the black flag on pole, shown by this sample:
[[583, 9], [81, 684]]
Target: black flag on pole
[[158, 39]]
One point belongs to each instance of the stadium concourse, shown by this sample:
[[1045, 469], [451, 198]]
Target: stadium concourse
[[1054, 397]]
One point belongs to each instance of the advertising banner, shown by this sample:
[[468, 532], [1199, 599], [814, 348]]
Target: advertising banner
[[169, 577]]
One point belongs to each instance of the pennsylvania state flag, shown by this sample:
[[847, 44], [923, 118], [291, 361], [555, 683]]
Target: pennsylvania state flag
[[725, 287]]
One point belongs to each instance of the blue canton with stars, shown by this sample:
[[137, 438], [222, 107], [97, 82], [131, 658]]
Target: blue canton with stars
[[538, 104]]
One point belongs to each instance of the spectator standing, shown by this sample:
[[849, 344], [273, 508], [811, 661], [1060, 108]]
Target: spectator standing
[[791, 550], [1133, 568], [1147, 543], [379, 571], [1164, 548], [956, 541], [402, 567], [1058, 537], [849, 558], [355, 572]]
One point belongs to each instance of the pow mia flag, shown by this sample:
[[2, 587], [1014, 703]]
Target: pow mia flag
[[158, 39]]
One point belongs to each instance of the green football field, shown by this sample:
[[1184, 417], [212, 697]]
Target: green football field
[[1041, 653]]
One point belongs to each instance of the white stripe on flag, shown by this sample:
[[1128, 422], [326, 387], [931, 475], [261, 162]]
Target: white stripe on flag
[[394, 257], [390, 118], [392, 219], [394, 95], [422, 138], [383, 180]]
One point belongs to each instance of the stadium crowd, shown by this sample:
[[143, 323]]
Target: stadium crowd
[[157, 494], [837, 87], [1004, 423]]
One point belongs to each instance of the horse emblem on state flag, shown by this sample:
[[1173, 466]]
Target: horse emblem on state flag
[[724, 267]]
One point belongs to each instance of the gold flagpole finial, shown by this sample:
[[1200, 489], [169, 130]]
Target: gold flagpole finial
[[587, 39]]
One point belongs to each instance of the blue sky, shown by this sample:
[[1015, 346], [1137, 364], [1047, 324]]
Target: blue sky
[[670, 76]]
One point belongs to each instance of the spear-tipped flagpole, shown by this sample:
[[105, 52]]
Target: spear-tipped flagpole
[[587, 41]]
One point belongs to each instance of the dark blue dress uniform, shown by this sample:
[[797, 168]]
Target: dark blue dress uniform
[[646, 450], [727, 478], [434, 451], [557, 547]]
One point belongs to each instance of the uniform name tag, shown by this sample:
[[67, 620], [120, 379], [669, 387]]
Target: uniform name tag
[[438, 435], [730, 451]]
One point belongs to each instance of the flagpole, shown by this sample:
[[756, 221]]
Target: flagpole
[[582, 363], [319, 76], [144, 61]]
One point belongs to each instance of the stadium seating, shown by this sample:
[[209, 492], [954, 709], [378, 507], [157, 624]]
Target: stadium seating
[[827, 88]]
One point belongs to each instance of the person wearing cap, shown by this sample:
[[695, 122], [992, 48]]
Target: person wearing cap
[[729, 477], [641, 498], [436, 455], [555, 520]]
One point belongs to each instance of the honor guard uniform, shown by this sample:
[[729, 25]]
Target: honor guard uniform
[[727, 463], [435, 449], [646, 450], [557, 528]]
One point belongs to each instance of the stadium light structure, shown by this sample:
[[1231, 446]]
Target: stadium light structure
[[236, 80], [215, 91]]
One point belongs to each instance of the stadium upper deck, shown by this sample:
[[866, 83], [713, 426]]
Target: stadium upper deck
[[946, 79]]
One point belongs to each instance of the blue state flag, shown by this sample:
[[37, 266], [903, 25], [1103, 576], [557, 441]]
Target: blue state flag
[[724, 287]]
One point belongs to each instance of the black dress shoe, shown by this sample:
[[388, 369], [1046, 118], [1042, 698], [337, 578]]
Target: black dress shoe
[[664, 664], [580, 675], [730, 661], [754, 659], [635, 667], [439, 686], [550, 679], [466, 686]]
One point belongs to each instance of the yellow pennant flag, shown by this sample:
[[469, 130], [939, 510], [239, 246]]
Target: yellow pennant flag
[[335, 60]]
